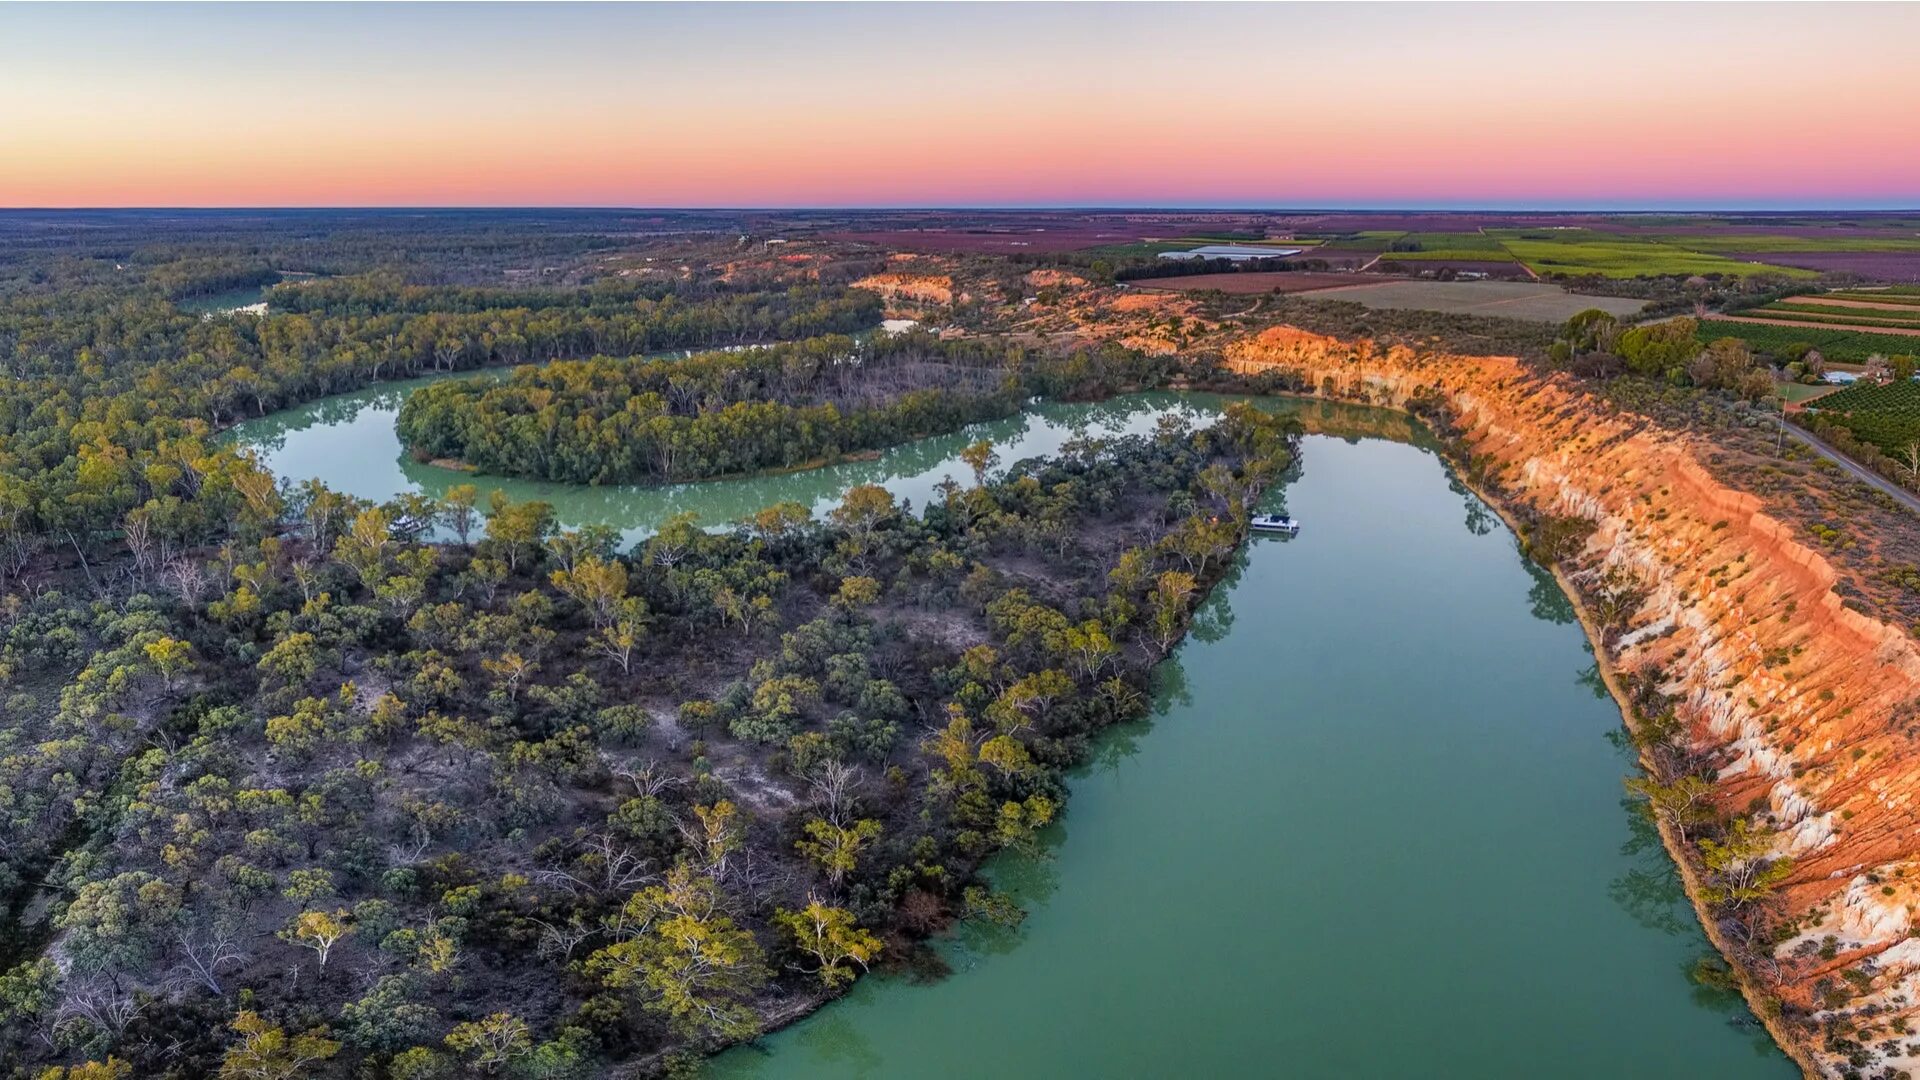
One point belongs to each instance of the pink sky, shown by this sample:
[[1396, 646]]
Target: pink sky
[[1365, 104]]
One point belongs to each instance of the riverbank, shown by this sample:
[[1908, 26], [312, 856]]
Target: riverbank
[[1764, 1009], [911, 471], [1792, 694], [1432, 654]]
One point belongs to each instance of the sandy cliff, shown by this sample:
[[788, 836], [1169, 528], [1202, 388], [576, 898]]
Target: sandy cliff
[[1804, 706], [912, 288]]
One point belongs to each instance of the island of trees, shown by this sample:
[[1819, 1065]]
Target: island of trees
[[652, 421]]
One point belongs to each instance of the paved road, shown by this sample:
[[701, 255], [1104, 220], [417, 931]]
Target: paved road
[[1900, 495]]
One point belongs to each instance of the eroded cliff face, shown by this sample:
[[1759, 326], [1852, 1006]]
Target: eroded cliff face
[[1804, 707], [919, 288]]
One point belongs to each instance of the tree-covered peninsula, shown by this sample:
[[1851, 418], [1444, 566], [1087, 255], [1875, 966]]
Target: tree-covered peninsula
[[641, 420]]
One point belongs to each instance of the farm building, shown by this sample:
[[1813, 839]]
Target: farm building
[[1234, 252]]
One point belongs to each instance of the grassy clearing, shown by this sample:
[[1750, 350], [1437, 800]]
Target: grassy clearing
[[1801, 393]]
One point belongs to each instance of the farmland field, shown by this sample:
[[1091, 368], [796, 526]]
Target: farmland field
[[1447, 247], [1837, 315], [1249, 282], [1577, 252], [1373, 240], [1877, 265], [1393, 262], [1838, 346], [1777, 244], [1876, 312], [1337, 258], [1902, 296], [1815, 323], [1449, 254], [1528, 300], [1886, 416]]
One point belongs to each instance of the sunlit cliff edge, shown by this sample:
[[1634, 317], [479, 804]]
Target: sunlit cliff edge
[[1801, 707]]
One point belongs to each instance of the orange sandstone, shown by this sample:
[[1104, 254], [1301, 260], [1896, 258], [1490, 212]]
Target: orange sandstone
[[1804, 705]]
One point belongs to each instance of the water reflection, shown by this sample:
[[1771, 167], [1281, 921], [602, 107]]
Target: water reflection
[[838, 1042], [348, 441], [1650, 889], [1546, 599], [1214, 619], [1480, 519], [1650, 892]]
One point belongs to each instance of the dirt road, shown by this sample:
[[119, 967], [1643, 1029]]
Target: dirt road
[[1899, 494]]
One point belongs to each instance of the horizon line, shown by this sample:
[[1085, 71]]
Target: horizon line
[[1261, 208]]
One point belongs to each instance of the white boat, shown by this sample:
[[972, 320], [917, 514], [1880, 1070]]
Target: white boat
[[1273, 523]]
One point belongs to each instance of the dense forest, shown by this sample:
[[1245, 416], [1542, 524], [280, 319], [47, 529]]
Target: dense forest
[[609, 421], [525, 803], [287, 790], [108, 401]]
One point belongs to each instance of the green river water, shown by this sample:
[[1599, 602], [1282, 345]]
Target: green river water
[[1375, 826]]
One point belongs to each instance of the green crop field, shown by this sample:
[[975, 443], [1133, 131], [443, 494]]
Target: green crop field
[[1581, 251], [1840, 316], [1370, 240], [1838, 346], [1453, 241], [1886, 416], [1767, 244], [1448, 247]]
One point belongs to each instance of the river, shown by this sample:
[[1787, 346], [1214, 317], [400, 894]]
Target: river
[[1375, 826]]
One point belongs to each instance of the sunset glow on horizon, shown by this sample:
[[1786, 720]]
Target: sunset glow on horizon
[[985, 105]]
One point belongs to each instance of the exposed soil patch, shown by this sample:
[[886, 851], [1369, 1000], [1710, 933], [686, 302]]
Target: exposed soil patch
[[917, 288]]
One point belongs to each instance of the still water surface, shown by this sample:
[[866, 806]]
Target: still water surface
[[1374, 827]]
